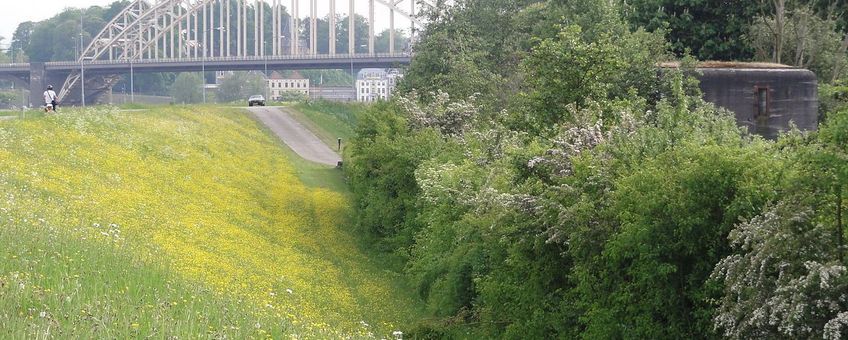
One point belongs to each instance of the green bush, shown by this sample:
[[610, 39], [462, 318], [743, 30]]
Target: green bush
[[589, 196]]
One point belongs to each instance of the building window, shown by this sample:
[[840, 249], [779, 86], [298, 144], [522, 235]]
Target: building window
[[762, 102]]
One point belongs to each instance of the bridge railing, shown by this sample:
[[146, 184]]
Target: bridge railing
[[220, 59], [14, 65]]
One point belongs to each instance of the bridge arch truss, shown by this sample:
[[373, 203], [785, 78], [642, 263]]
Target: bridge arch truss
[[210, 29]]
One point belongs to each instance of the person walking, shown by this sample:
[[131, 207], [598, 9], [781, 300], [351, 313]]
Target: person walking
[[50, 99]]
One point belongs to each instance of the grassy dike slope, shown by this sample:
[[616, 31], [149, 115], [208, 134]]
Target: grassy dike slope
[[329, 120], [177, 221]]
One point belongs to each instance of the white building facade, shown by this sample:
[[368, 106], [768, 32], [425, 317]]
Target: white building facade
[[280, 86], [376, 84]]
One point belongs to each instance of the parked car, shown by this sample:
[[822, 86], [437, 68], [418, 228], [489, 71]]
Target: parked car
[[256, 100]]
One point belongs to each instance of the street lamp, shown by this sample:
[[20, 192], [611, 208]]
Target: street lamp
[[222, 30], [267, 84], [265, 64], [132, 83], [355, 94], [82, 61], [203, 77], [82, 77]]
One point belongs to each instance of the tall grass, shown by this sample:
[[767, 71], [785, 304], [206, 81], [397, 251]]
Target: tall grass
[[83, 284], [331, 120], [204, 204]]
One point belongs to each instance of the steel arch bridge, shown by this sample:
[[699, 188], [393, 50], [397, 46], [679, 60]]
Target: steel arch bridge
[[210, 31]]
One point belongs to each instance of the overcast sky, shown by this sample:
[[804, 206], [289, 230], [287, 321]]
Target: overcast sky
[[14, 12]]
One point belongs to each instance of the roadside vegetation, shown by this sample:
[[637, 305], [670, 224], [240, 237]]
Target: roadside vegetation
[[547, 179], [178, 221]]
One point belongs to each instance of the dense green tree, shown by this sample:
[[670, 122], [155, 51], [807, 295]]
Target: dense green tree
[[148, 83], [461, 54], [20, 40], [383, 145], [58, 38], [187, 88], [381, 42], [674, 214], [240, 86], [799, 36], [452, 65], [567, 71], [710, 29], [342, 40]]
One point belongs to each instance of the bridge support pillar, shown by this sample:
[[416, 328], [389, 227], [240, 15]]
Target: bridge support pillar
[[37, 79]]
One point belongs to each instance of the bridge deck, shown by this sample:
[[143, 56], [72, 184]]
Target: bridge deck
[[340, 61]]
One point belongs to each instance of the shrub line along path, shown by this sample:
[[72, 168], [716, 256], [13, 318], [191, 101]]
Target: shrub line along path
[[295, 135]]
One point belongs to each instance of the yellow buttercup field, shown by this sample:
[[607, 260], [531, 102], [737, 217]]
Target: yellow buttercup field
[[178, 221]]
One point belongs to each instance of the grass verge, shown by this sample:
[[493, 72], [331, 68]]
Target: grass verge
[[56, 283], [201, 198], [329, 120]]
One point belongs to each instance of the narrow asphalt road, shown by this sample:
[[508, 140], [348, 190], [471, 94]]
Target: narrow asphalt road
[[295, 135]]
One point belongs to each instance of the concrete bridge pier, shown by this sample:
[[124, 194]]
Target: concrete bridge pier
[[39, 78], [36, 83]]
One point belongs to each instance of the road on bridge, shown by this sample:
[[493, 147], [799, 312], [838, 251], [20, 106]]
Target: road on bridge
[[295, 135]]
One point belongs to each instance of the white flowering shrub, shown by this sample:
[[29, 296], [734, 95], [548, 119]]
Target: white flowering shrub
[[571, 143], [785, 280], [451, 118]]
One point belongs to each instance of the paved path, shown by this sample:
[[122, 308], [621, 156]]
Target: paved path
[[295, 135]]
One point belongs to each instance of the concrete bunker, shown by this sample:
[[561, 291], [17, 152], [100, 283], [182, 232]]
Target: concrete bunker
[[765, 97]]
